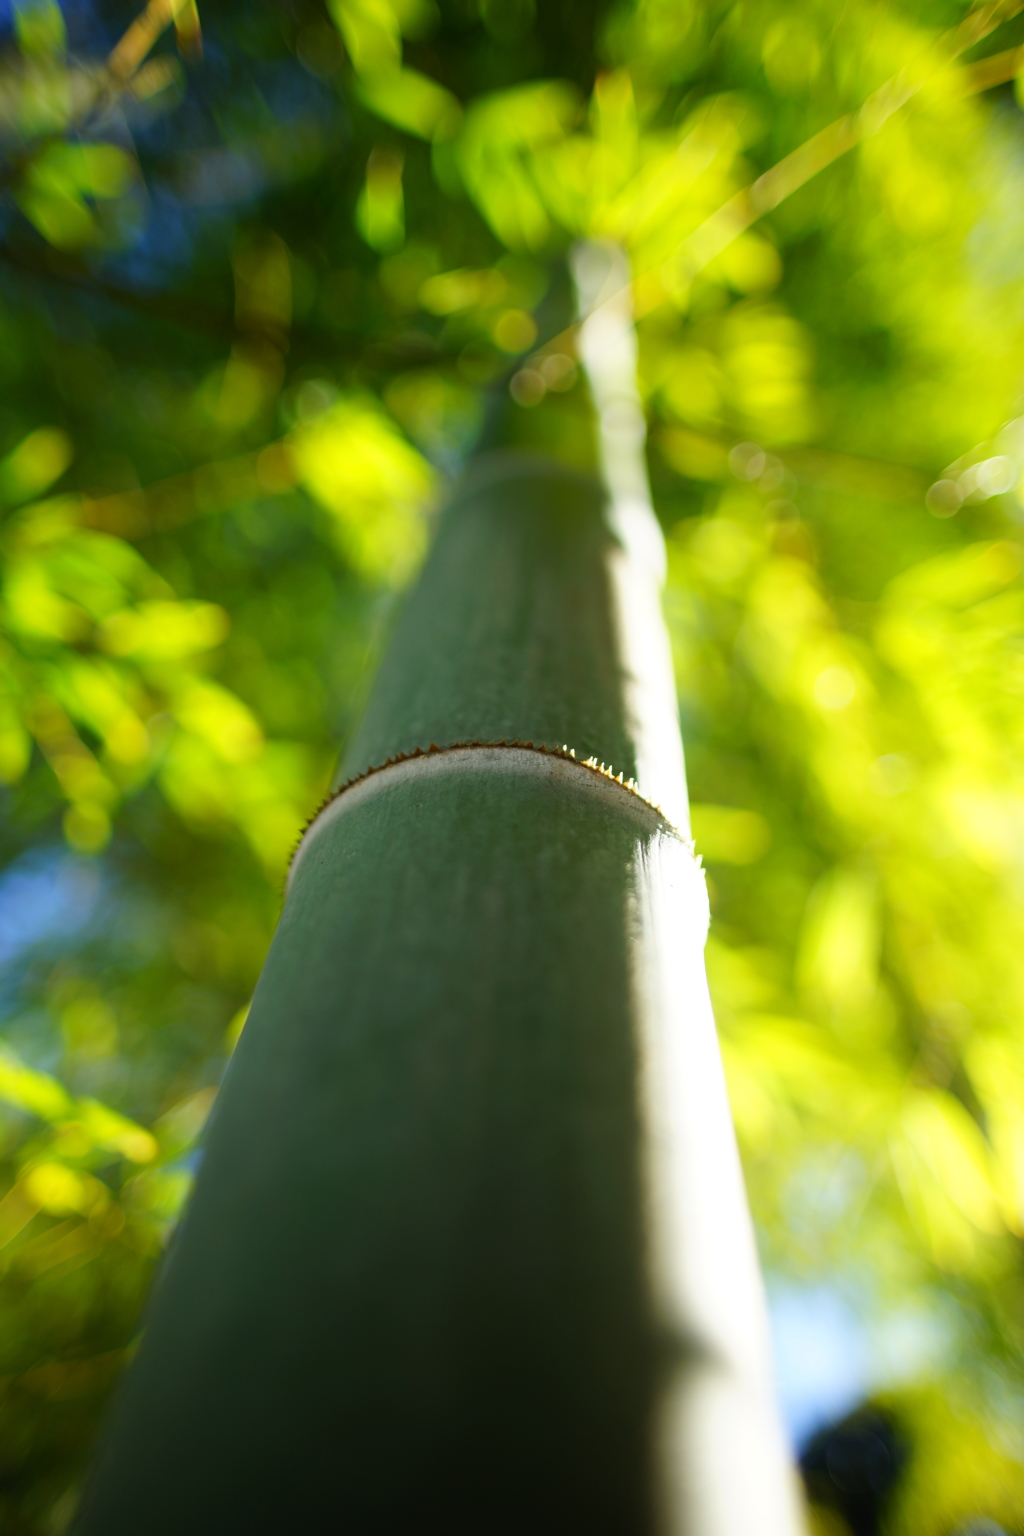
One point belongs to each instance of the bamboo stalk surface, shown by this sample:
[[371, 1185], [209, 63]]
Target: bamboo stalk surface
[[469, 1251]]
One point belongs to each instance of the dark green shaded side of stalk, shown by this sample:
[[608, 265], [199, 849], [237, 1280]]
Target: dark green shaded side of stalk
[[508, 634]]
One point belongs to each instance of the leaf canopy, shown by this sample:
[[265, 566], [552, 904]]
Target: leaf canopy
[[267, 272]]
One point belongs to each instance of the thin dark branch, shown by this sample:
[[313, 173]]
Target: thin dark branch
[[44, 265], [382, 355]]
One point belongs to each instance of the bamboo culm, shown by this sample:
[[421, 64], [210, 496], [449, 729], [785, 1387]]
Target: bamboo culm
[[469, 1250]]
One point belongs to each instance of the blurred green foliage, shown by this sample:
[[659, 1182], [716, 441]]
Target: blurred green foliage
[[262, 287]]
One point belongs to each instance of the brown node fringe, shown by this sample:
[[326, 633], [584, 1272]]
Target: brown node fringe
[[591, 764]]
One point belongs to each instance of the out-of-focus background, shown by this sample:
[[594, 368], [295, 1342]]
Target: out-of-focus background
[[263, 270]]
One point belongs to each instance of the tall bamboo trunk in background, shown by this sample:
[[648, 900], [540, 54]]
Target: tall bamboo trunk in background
[[469, 1250]]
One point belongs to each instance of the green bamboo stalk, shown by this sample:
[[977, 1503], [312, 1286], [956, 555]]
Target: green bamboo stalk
[[469, 1249]]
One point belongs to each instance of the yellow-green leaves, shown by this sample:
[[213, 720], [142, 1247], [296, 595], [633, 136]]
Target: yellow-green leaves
[[995, 1064], [82, 1125], [791, 53], [131, 698], [372, 482], [33, 466], [60, 1191], [372, 30], [15, 741], [448, 293], [59, 1214], [536, 180], [721, 833], [61, 183], [163, 631], [218, 719], [838, 955], [380, 211], [767, 365], [39, 28], [966, 1458], [412, 101], [252, 377], [114, 1132], [74, 187], [107, 672], [944, 1166], [879, 1021], [35, 1092], [496, 154]]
